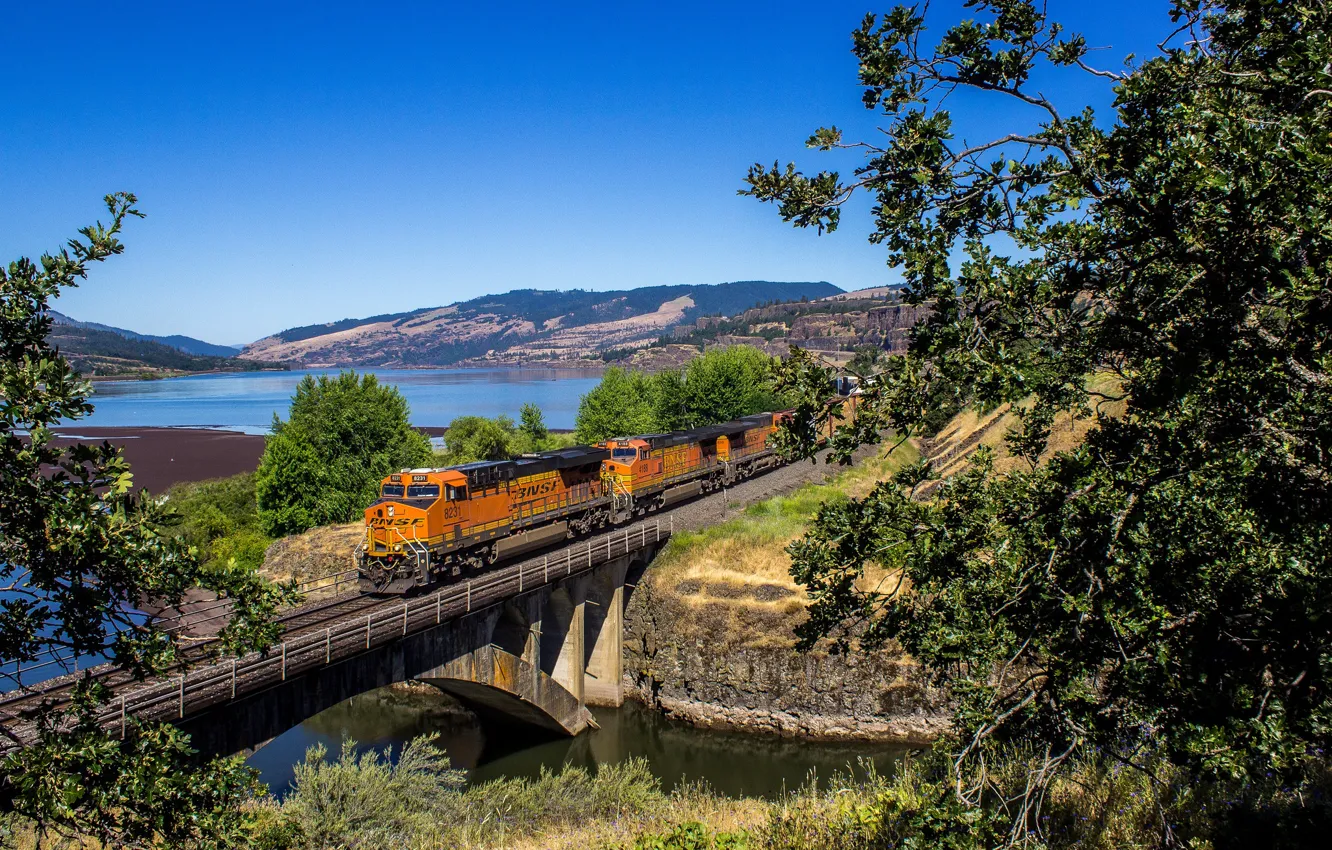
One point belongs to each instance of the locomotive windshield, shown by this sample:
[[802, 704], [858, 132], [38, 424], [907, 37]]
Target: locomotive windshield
[[456, 494], [625, 453], [423, 491], [391, 491]]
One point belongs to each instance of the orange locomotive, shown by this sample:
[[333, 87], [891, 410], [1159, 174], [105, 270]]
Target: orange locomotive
[[429, 523]]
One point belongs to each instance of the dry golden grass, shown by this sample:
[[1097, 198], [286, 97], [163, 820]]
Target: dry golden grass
[[733, 579], [315, 554], [717, 813], [967, 431]]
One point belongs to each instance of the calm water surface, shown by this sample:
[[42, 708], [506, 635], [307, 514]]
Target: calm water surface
[[247, 400], [733, 763]]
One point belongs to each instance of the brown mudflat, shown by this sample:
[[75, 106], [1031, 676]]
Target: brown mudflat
[[160, 457]]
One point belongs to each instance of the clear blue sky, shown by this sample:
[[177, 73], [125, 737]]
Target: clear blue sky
[[330, 160]]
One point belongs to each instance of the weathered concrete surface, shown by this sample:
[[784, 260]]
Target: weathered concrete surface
[[495, 683]]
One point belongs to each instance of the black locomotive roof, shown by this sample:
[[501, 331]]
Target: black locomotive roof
[[707, 432], [483, 472]]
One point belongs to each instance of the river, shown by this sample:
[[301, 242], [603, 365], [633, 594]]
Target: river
[[246, 401], [732, 763]]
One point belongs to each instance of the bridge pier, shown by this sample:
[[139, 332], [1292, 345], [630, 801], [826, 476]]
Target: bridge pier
[[605, 661], [566, 611]]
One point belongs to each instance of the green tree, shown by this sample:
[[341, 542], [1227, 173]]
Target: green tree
[[472, 438], [619, 405], [532, 423], [1162, 591], [866, 359], [728, 383], [668, 400], [324, 464], [78, 554], [716, 387]]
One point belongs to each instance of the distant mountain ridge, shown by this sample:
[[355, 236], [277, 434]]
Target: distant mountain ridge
[[187, 344], [101, 354], [523, 325]]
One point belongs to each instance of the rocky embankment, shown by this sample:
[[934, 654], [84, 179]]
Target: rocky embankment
[[773, 688], [709, 633]]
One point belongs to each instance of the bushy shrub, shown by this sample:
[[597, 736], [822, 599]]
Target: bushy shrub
[[472, 438], [220, 519], [324, 464], [693, 836], [366, 800]]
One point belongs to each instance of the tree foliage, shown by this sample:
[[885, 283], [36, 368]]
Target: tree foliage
[[78, 554], [472, 438], [323, 465], [1165, 587], [720, 385], [532, 423]]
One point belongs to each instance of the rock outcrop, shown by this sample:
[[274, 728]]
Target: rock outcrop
[[761, 683]]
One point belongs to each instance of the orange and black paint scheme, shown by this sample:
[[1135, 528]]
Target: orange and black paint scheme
[[429, 525]]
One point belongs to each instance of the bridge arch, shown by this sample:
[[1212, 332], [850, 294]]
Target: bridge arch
[[460, 657]]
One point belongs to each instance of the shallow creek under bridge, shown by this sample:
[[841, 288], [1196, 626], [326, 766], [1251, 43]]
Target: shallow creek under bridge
[[533, 643]]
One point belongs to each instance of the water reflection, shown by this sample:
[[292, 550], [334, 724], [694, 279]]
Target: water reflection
[[733, 763]]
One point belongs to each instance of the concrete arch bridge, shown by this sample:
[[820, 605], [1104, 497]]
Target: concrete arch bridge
[[534, 643]]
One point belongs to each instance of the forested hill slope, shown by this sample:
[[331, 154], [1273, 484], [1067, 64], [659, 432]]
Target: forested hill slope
[[187, 344], [525, 325], [104, 353]]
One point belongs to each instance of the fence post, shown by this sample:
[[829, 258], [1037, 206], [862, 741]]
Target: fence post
[[469, 596], [182, 694], [122, 717], [367, 631], [284, 661], [328, 644], [520, 579], [404, 619], [233, 677], [545, 568], [437, 604], [672, 523]]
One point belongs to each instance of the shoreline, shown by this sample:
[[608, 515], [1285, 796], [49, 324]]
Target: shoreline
[[908, 730]]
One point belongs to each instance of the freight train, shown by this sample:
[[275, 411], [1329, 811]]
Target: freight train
[[430, 525]]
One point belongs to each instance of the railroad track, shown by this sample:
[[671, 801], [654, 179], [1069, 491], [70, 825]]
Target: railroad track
[[307, 622], [55, 690]]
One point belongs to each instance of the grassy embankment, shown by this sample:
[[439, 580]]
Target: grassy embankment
[[734, 578], [421, 804]]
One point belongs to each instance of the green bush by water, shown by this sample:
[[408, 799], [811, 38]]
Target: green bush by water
[[366, 800], [219, 518]]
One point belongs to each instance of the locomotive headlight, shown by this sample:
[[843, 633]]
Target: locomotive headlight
[[397, 547]]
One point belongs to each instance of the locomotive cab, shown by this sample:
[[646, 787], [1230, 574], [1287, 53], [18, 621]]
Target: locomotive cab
[[630, 460], [408, 512]]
